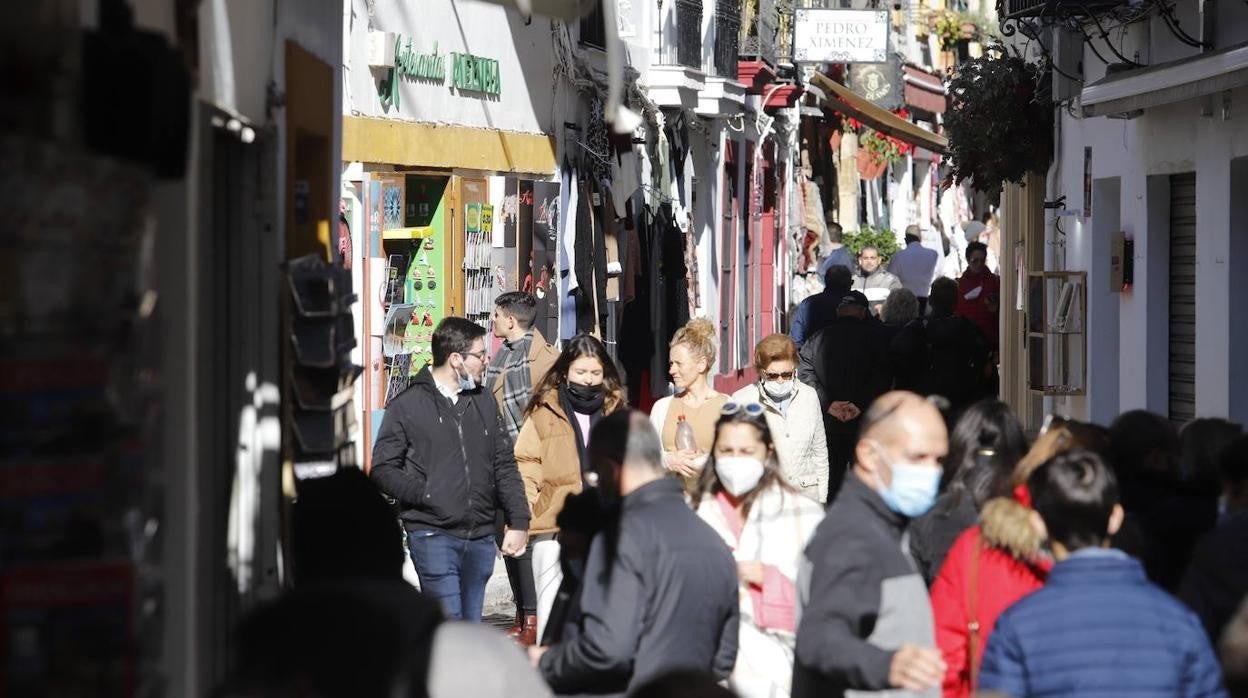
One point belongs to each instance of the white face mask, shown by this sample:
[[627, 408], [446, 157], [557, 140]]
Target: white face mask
[[777, 390], [739, 474]]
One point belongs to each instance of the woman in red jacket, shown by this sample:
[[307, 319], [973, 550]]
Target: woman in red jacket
[[989, 567]]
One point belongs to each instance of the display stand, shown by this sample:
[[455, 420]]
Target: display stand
[[1056, 333]]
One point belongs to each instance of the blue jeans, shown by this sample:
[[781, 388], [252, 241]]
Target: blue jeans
[[453, 570]]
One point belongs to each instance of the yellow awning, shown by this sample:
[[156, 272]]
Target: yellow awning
[[846, 102]]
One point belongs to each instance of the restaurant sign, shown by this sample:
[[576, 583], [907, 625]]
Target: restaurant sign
[[840, 36]]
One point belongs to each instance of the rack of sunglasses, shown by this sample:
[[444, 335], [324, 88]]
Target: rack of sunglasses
[[479, 291]]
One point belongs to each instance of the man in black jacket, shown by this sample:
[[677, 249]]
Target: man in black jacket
[[847, 364], [865, 622], [660, 587], [443, 453]]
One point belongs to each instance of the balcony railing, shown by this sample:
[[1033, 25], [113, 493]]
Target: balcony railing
[[759, 23], [727, 35]]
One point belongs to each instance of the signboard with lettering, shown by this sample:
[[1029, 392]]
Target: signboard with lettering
[[840, 36], [879, 82], [468, 73]]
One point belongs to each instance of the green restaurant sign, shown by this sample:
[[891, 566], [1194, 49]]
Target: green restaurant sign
[[468, 73]]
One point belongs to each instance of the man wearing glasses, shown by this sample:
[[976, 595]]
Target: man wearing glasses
[[444, 455]]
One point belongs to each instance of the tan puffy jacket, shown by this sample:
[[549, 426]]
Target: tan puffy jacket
[[548, 459]]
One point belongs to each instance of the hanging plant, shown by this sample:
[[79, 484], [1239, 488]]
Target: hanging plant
[[881, 146], [999, 123], [948, 31]]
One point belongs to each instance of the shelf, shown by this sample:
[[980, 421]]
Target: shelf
[[417, 233]]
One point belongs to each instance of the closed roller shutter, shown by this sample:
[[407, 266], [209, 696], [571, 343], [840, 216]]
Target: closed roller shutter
[[1182, 297]]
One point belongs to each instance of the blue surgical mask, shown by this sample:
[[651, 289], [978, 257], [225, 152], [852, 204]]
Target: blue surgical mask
[[466, 381], [913, 489]]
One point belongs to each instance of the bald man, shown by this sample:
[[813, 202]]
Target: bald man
[[865, 621]]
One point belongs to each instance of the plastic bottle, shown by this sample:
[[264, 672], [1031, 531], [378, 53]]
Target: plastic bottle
[[684, 435]]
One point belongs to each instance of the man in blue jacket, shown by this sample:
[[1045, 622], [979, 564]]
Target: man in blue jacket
[[1098, 627]]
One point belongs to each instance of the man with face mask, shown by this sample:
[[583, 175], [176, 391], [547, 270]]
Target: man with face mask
[[659, 590], [866, 623], [442, 452]]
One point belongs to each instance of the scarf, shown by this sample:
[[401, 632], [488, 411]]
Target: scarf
[[566, 402], [512, 362]]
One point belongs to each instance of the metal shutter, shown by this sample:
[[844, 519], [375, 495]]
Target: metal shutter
[[1182, 377]]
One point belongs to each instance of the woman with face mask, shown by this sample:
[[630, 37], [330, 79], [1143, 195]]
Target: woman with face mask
[[766, 523], [582, 387], [793, 415]]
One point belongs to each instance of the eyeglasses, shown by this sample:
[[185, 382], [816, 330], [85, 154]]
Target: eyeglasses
[[479, 354], [781, 376], [730, 408]]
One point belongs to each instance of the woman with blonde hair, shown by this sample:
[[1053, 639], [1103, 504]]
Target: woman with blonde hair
[[581, 388], [793, 415], [995, 563], [696, 403]]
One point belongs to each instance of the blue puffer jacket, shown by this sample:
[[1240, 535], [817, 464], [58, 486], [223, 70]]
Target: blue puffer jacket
[[1099, 628]]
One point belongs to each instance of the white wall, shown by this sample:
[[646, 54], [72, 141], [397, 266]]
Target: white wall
[[524, 54], [1140, 154]]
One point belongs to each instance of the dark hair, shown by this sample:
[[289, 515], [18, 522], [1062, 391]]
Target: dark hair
[[1075, 493], [454, 335], [580, 346], [1201, 445], [988, 424], [838, 279], [943, 298], [1233, 465], [973, 247], [519, 305], [835, 232], [342, 528], [1139, 437], [708, 481]]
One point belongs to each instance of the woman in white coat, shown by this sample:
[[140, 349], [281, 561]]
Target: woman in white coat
[[792, 413], [766, 523]]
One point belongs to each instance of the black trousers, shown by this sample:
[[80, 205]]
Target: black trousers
[[519, 574]]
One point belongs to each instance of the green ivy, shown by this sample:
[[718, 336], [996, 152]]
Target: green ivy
[[1000, 121], [882, 239]]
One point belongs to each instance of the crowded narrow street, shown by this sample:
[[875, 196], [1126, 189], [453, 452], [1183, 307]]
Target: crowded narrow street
[[632, 348]]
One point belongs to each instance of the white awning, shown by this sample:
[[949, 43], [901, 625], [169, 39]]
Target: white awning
[[1167, 83]]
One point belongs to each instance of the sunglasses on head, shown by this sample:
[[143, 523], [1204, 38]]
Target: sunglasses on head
[[782, 375], [730, 408]]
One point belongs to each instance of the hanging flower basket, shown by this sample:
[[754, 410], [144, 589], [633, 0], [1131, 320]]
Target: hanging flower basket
[[999, 123], [870, 164]]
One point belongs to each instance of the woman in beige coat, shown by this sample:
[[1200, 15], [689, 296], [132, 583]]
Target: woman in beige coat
[[582, 387]]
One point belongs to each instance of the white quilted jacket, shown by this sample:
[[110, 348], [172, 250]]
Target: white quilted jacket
[[800, 441]]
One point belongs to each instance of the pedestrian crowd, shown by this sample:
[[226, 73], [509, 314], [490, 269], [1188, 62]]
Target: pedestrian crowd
[[858, 521]]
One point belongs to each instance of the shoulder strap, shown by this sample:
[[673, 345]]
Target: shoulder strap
[[972, 615]]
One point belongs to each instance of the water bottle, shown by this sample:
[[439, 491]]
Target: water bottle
[[684, 435]]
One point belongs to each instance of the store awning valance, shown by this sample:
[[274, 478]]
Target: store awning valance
[[846, 102], [924, 90], [1131, 91]]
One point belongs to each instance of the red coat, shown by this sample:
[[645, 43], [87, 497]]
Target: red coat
[[1002, 580], [976, 309]]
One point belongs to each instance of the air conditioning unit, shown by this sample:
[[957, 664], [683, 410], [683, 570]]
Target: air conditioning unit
[[1065, 45]]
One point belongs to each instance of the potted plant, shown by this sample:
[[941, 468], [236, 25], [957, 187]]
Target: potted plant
[[881, 238], [1000, 121]]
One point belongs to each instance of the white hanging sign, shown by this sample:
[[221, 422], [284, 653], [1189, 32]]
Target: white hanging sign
[[840, 36]]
